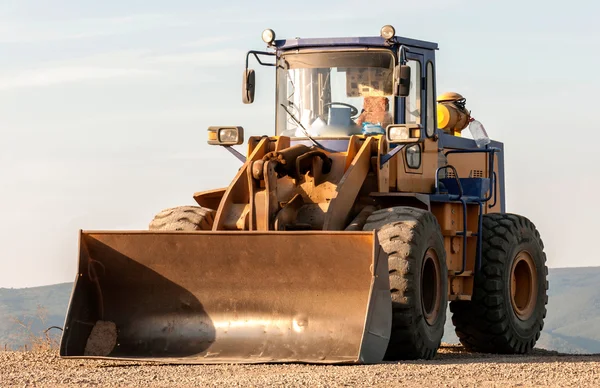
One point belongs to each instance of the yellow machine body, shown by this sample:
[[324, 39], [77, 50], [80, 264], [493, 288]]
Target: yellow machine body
[[250, 290]]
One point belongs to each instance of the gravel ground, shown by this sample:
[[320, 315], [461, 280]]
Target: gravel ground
[[452, 367]]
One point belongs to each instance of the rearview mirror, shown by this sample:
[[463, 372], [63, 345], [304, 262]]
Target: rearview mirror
[[248, 86], [403, 80]]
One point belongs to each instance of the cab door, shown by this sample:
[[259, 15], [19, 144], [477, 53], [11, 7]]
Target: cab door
[[412, 112], [417, 163]]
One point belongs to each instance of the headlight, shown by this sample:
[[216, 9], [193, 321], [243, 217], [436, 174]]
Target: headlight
[[268, 36], [399, 133], [403, 133], [228, 135], [225, 135], [387, 32]]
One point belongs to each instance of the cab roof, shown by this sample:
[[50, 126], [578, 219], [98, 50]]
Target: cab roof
[[373, 41]]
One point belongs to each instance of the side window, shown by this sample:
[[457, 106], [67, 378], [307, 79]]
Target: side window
[[431, 124], [413, 101], [413, 156]]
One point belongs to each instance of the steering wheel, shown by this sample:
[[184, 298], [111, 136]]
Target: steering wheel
[[353, 110]]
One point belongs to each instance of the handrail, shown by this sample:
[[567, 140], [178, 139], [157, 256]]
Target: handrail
[[491, 173], [437, 179], [255, 53]]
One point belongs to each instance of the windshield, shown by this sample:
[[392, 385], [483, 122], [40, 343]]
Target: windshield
[[335, 93]]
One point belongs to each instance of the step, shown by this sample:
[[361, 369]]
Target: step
[[452, 233], [466, 273], [453, 297]]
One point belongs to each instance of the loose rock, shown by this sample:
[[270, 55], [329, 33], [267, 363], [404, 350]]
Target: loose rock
[[452, 367], [102, 339]]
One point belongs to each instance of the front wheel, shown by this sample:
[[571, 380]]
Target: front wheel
[[418, 280], [508, 307]]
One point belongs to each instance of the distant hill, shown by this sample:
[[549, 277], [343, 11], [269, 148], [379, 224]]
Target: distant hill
[[572, 323], [23, 303]]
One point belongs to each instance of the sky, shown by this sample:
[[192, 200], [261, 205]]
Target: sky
[[104, 108]]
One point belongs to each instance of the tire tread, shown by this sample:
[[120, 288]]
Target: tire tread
[[183, 218], [400, 229], [483, 323]]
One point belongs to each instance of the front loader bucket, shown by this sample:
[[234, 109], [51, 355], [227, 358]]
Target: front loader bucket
[[230, 297]]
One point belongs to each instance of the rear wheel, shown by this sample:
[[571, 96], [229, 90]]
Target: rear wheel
[[183, 218], [418, 280], [508, 307]]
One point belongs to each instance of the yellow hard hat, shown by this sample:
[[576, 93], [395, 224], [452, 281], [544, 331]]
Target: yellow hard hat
[[449, 96]]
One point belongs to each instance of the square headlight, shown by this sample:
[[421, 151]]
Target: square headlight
[[225, 135], [399, 133], [403, 133]]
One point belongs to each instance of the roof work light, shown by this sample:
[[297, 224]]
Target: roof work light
[[268, 36], [387, 32]]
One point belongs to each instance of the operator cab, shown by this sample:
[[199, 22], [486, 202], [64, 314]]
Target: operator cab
[[335, 88], [335, 93], [338, 87]]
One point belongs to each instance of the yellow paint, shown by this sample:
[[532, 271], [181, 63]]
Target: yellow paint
[[443, 116], [451, 119]]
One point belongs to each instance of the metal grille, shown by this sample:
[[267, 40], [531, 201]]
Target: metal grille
[[476, 173]]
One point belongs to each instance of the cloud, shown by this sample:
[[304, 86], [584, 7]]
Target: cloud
[[334, 11], [208, 41], [191, 156], [13, 32], [60, 75], [127, 64], [204, 58]]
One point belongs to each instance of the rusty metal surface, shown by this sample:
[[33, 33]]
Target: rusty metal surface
[[285, 159], [239, 191], [383, 172], [348, 188], [209, 199], [211, 297]]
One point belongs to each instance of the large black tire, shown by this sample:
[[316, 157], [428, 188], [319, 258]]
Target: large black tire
[[513, 261], [183, 218], [418, 280]]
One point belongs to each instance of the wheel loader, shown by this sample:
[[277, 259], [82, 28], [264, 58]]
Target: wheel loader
[[342, 238]]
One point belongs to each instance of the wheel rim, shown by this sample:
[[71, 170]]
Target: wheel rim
[[431, 285], [523, 281]]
